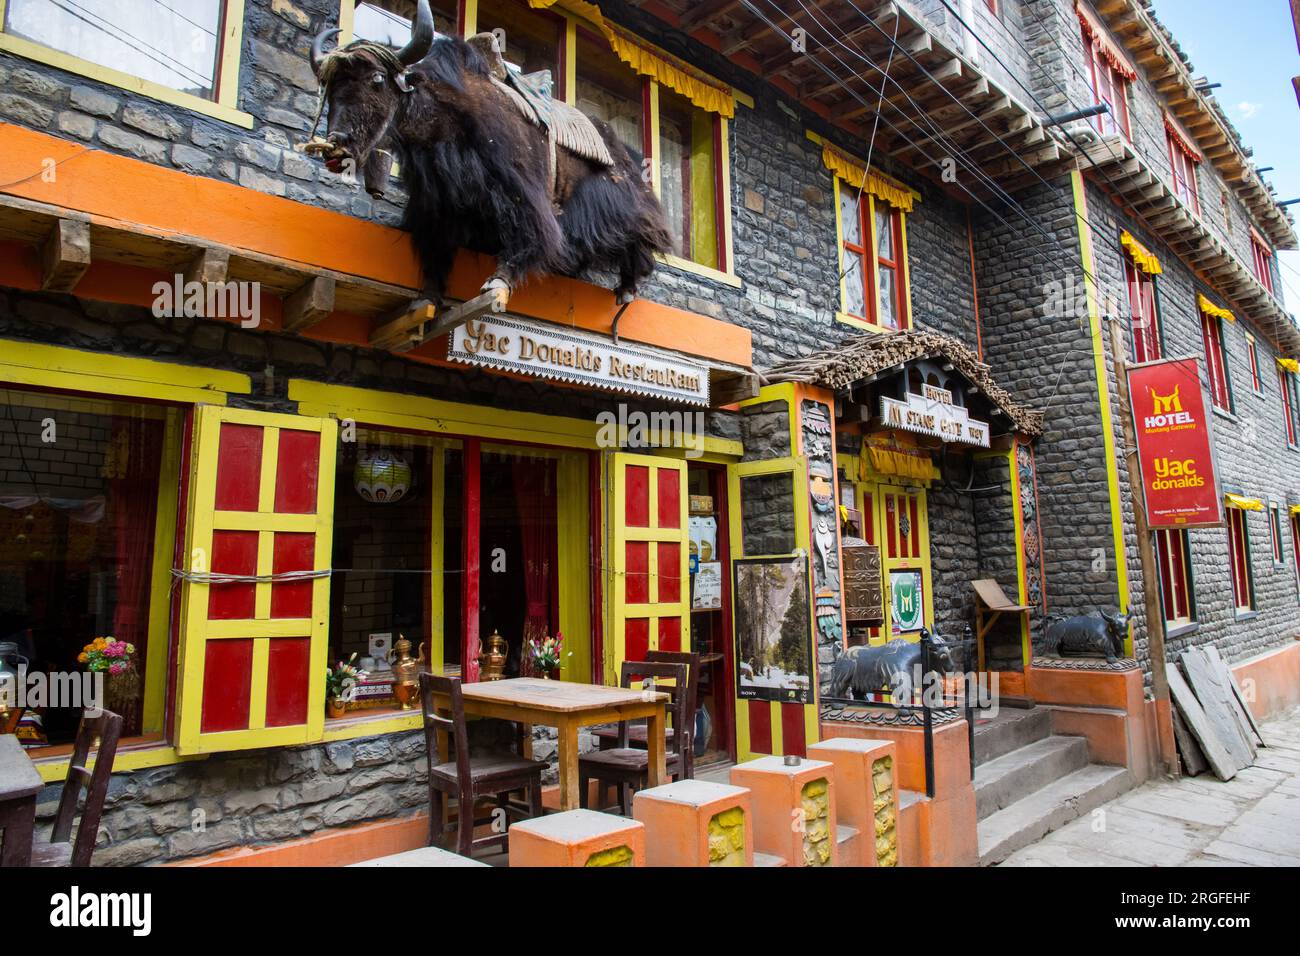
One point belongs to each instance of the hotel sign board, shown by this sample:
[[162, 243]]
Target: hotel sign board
[[1180, 488], [573, 355], [934, 414]]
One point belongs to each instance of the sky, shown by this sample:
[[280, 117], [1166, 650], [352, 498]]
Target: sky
[[1250, 47]]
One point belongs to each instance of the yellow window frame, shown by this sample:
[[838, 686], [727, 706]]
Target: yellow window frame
[[873, 249], [223, 106], [55, 367]]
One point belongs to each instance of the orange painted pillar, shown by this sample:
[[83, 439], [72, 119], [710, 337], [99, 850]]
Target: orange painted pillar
[[794, 808], [577, 838], [866, 797], [696, 823]]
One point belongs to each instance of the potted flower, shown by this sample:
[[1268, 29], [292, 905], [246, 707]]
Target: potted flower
[[341, 682], [545, 655], [114, 659]]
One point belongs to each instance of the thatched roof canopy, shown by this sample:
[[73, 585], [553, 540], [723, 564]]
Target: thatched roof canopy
[[862, 356]]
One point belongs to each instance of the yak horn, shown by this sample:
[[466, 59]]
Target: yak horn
[[318, 49], [421, 36]]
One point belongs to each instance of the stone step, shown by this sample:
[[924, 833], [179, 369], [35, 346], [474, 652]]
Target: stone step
[[1010, 730], [1034, 816], [1003, 780]]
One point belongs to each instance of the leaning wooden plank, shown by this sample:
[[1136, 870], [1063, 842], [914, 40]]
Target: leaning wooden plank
[[1203, 677], [66, 255], [1221, 762], [1194, 762], [1230, 680]]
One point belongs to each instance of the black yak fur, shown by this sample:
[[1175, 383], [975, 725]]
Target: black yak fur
[[477, 174]]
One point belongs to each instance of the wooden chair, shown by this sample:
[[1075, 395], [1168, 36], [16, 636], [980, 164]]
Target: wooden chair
[[607, 737], [58, 851], [465, 778], [13, 716], [628, 768]]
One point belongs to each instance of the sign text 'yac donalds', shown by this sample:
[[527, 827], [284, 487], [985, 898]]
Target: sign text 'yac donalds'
[[1175, 448]]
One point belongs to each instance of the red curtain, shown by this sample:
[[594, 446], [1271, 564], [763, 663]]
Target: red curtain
[[535, 499], [133, 464]]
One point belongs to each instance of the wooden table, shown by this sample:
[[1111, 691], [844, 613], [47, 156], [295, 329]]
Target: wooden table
[[19, 784], [567, 707]]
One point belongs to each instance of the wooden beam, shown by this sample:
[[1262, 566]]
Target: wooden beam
[[310, 304], [66, 255], [727, 388], [397, 330], [210, 265]]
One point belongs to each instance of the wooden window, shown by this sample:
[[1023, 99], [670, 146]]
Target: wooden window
[[1173, 555], [1252, 357], [1289, 387], [1144, 319], [610, 91], [1109, 88], [534, 39], [1243, 585], [1275, 533], [688, 178], [184, 52], [1216, 361], [1263, 261], [873, 256], [1183, 167]]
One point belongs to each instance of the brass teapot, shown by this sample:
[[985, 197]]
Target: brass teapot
[[406, 672], [492, 661]]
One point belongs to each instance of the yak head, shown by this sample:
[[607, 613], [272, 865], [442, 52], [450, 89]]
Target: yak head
[[363, 84], [1116, 630]]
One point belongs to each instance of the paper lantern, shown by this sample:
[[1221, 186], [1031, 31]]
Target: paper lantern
[[382, 477]]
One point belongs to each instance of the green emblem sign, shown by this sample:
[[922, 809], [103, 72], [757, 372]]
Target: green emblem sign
[[906, 598]]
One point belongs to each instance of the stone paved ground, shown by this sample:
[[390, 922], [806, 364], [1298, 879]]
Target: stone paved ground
[[1250, 820]]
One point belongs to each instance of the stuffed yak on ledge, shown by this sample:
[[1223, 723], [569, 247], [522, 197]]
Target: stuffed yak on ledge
[[489, 161]]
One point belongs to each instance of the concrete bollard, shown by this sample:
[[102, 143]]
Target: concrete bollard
[[696, 823], [793, 808], [866, 796], [577, 838]]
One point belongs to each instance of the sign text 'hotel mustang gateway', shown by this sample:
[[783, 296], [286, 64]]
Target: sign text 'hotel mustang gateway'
[[1175, 447], [572, 355]]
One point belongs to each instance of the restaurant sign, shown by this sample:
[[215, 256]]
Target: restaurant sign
[[1175, 447], [934, 413], [572, 355]]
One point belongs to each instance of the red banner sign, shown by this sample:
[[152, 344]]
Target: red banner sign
[[1175, 449]]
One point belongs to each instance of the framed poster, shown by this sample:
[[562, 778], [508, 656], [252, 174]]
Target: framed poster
[[774, 658], [906, 601]]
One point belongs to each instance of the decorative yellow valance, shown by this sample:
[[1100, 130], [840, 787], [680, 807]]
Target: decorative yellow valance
[[648, 61], [1290, 365], [883, 457], [1243, 503], [1141, 256], [1295, 509], [857, 176], [1209, 308]]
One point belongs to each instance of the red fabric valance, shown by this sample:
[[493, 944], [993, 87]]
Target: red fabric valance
[[1181, 139], [1102, 44]]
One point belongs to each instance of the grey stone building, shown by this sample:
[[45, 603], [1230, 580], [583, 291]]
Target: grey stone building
[[872, 170]]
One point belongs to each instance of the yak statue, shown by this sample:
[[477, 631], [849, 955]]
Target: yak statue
[[863, 670], [481, 163], [1086, 636]]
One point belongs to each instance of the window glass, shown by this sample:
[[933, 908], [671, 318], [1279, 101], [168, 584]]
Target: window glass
[[608, 89], [688, 177], [855, 298], [849, 215], [79, 489], [1239, 558], [1175, 576], [389, 21], [172, 43], [1212, 336], [533, 38]]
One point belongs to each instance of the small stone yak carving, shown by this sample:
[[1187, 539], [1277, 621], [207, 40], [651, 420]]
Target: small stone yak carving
[[864, 670], [1086, 635]]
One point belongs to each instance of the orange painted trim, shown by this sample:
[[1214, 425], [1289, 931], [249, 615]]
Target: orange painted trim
[[133, 195]]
